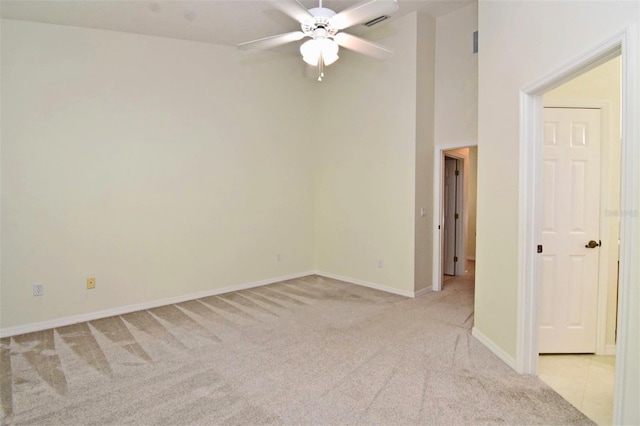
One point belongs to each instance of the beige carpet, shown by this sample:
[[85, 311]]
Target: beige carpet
[[308, 351]]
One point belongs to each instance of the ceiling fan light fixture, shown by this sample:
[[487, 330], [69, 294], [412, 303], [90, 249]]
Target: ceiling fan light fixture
[[313, 49], [324, 28]]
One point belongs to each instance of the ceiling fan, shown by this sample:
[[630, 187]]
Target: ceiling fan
[[324, 27]]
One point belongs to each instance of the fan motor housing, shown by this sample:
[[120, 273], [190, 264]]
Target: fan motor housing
[[321, 20]]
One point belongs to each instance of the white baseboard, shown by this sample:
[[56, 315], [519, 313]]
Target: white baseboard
[[380, 287], [422, 292], [74, 319], [60, 322], [497, 351], [610, 349]]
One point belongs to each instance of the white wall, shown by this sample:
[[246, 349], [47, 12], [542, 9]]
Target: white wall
[[366, 159], [161, 167], [425, 110], [603, 84], [456, 87], [152, 164], [472, 202], [456, 93], [521, 42]]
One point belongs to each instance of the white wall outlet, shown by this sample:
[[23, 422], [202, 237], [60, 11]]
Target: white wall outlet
[[279, 257], [380, 264], [38, 289]]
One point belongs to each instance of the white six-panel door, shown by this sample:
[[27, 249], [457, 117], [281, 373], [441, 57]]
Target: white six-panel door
[[571, 215]]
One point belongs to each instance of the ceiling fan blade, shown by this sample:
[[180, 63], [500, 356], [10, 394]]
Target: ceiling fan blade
[[363, 12], [273, 41], [361, 45], [293, 8]]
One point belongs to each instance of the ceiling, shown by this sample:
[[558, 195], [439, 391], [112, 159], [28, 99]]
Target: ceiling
[[226, 22]]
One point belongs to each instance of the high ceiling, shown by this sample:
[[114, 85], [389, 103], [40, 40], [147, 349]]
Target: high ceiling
[[226, 22]]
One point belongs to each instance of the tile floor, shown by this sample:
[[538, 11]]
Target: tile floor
[[586, 381]]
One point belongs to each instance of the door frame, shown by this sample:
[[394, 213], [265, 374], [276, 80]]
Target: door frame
[[624, 43], [603, 232], [438, 205]]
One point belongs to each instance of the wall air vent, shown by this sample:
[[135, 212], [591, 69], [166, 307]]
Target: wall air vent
[[377, 20], [475, 42]]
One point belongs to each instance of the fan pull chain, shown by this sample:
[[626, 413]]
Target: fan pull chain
[[320, 67]]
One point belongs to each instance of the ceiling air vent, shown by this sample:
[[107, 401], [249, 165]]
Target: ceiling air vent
[[377, 20]]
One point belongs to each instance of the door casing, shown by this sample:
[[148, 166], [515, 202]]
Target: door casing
[[624, 43], [438, 168]]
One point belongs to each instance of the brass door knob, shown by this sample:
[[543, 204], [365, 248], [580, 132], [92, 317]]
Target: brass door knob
[[593, 244]]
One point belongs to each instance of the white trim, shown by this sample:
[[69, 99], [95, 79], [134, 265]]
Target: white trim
[[462, 163], [497, 350], [531, 105], [438, 167], [529, 210], [60, 322], [75, 319], [624, 42], [363, 283], [438, 159], [422, 292], [609, 350], [603, 232], [629, 231], [589, 60]]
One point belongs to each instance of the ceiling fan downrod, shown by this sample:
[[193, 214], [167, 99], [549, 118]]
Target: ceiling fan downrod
[[321, 58]]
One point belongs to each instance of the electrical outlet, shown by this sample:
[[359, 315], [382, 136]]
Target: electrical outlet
[[380, 264], [38, 289], [91, 283], [278, 257]]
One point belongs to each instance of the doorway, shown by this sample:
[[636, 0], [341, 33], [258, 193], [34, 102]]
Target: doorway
[[579, 264], [531, 212], [455, 177], [594, 95]]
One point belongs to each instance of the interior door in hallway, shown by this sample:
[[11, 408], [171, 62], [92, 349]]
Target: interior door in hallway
[[449, 252], [570, 228]]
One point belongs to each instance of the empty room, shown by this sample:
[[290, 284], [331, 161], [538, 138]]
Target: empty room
[[234, 212]]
